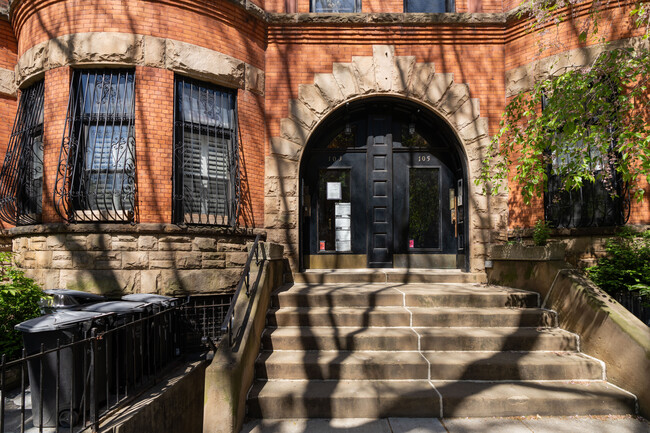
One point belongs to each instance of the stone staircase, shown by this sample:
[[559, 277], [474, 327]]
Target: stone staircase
[[375, 349]]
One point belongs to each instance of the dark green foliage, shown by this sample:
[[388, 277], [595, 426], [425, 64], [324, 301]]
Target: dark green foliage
[[541, 232], [627, 265], [19, 298]]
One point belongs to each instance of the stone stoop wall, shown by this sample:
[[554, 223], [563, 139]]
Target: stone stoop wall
[[583, 246], [121, 259]]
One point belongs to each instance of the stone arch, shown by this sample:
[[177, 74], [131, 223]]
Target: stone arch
[[383, 74]]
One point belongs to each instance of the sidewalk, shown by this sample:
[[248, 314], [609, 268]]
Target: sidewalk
[[596, 424]]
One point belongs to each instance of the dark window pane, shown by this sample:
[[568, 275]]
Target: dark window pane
[[334, 230], [100, 148], [205, 154], [424, 208], [21, 178], [336, 6], [344, 139], [430, 6]]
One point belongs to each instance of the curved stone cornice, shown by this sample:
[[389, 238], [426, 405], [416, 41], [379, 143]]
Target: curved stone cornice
[[124, 49]]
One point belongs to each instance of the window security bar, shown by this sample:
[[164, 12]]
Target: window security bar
[[96, 176], [206, 159], [21, 177]]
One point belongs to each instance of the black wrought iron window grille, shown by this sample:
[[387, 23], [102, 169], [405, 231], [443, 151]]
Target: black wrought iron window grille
[[206, 158], [96, 175], [335, 6], [604, 202], [429, 6], [21, 177]]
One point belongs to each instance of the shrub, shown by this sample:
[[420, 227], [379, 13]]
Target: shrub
[[541, 233], [19, 298], [627, 265]]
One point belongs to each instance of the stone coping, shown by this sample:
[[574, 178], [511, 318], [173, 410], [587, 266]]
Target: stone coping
[[578, 231], [41, 229], [552, 251], [361, 18]]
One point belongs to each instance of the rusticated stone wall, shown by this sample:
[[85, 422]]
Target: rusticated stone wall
[[123, 258]]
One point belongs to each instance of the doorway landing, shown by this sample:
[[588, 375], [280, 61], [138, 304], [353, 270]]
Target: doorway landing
[[391, 275]]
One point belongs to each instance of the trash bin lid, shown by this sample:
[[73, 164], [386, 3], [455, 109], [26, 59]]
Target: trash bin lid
[[57, 320], [150, 298], [118, 307], [76, 295]]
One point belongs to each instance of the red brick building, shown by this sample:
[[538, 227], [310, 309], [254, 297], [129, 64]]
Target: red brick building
[[158, 133]]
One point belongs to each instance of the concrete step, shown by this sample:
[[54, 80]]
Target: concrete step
[[449, 339], [374, 365], [412, 295], [562, 398], [497, 339], [401, 316], [400, 276], [343, 399], [418, 398]]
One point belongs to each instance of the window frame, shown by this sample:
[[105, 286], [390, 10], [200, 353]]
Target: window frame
[[450, 7], [90, 190], [21, 176], [313, 8], [591, 205], [209, 196]]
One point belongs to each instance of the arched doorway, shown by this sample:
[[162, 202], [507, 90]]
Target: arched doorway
[[383, 184]]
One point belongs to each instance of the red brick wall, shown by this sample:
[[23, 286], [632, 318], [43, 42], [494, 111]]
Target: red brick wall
[[8, 104], [57, 89], [522, 48], [154, 127], [220, 26]]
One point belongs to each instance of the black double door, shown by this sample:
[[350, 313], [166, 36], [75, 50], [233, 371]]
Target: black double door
[[381, 200]]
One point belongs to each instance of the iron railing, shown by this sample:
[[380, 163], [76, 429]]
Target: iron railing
[[226, 327], [69, 386], [633, 302], [21, 177], [95, 180], [592, 205], [206, 159]]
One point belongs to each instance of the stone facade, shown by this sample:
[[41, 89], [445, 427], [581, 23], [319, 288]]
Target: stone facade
[[121, 259]]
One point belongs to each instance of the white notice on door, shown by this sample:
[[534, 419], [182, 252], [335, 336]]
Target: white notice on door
[[342, 210], [334, 191]]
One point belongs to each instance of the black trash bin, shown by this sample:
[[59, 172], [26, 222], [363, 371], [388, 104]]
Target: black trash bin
[[126, 364], [72, 366], [162, 342], [63, 299]]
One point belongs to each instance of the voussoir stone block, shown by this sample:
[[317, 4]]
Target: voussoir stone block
[[383, 57], [420, 79], [285, 148], [466, 114], [300, 112], [344, 75], [438, 86], [364, 72], [311, 96], [475, 130], [254, 78], [293, 131], [402, 73], [329, 88], [454, 98]]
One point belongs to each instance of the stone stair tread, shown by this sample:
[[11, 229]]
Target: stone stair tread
[[396, 275], [546, 398], [444, 365], [343, 399], [441, 288]]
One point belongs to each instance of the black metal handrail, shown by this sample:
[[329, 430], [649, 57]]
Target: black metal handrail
[[244, 280]]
